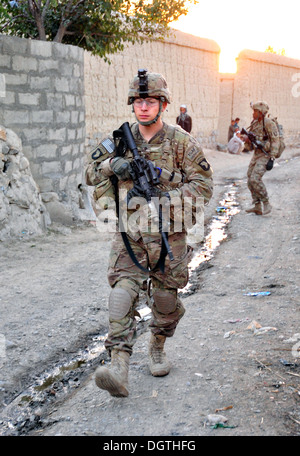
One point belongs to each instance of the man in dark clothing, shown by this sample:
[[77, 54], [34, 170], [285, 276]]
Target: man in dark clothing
[[184, 120]]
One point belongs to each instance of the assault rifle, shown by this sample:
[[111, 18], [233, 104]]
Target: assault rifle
[[256, 143], [145, 174], [145, 177]]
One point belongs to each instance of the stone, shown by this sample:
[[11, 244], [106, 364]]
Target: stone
[[2, 134], [22, 211]]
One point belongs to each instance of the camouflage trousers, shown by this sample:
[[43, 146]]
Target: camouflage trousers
[[256, 171], [167, 308]]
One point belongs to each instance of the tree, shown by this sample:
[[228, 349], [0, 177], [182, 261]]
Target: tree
[[100, 26], [271, 50]]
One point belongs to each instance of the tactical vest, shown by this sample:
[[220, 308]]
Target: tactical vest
[[167, 154]]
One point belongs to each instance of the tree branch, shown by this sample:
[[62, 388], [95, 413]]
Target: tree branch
[[36, 13], [62, 29], [45, 9]]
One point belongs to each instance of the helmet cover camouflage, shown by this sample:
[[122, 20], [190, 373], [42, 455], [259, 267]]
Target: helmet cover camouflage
[[157, 87], [261, 106]]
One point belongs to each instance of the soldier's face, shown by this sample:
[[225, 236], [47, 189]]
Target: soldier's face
[[147, 109], [256, 114]]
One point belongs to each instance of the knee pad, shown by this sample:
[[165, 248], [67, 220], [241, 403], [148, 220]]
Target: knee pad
[[119, 303], [165, 301]]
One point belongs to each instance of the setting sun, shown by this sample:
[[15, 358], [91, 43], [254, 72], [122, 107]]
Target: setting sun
[[235, 26]]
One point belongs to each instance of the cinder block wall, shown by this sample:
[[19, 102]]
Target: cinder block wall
[[42, 100], [190, 66]]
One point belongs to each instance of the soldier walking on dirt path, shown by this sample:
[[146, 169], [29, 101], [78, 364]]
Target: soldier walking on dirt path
[[265, 131], [183, 173]]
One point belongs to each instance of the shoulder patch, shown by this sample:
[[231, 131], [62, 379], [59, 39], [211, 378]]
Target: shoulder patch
[[192, 153], [203, 163], [102, 151], [109, 145]]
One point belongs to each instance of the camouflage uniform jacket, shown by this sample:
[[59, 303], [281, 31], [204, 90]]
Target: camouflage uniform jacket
[[180, 156], [266, 131]]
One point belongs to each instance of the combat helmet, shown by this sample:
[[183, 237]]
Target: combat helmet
[[261, 106], [149, 85], [146, 85]]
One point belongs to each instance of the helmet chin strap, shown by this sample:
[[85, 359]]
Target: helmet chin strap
[[150, 122]]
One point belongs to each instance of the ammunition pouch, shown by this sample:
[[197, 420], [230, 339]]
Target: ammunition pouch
[[170, 178]]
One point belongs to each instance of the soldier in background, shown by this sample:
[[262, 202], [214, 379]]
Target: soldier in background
[[265, 131], [184, 120], [184, 172]]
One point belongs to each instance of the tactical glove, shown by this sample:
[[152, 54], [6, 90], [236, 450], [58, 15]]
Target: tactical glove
[[121, 168], [270, 164]]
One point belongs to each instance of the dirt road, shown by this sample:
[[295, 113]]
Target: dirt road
[[233, 355]]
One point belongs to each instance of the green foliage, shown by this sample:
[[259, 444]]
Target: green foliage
[[100, 26], [271, 50]]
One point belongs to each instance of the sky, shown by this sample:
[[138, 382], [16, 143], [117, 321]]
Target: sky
[[252, 24]]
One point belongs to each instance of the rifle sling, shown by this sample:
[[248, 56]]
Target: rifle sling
[[163, 252]]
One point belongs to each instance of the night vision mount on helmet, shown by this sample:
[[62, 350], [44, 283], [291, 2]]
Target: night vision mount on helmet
[[149, 85]]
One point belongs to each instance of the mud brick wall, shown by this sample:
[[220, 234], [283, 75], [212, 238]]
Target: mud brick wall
[[269, 77], [226, 109], [190, 66]]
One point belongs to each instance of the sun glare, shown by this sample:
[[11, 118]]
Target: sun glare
[[227, 62], [234, 29]]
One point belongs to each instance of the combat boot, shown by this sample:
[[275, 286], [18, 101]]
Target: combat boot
[[159, 365], [115, 379], [267, 208], [256, 209]]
